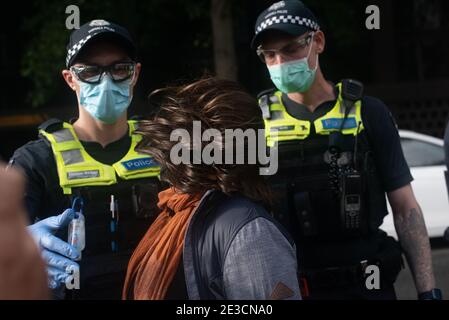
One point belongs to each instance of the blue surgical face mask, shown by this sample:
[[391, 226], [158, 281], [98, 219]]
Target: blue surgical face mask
[[107, 100], [294, 76]]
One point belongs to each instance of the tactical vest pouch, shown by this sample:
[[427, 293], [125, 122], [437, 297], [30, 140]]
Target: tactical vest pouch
[[322, 215], [102, 276], [315, 207], [305, 214], [389, 260], [145, 198], [282, 207], [136, 206], [102, 271]]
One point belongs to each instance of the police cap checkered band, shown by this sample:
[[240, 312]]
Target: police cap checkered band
[[289, 16], [94, 30], [289, 19]]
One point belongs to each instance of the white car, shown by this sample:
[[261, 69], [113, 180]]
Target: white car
[[425, 156]]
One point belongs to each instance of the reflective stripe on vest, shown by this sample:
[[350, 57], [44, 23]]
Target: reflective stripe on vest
[[76, 168], [281, 126]]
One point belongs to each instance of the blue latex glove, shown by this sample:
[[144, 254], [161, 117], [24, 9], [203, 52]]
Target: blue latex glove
[[58, 255]]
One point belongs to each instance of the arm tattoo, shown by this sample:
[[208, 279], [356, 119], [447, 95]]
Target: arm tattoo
[[414, 239]]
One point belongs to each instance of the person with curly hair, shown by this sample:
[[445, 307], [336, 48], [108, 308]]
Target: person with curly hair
[[214, 238]]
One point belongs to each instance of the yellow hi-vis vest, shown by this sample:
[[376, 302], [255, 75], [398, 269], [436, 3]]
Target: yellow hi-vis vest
[[76, 168], [280, 126]]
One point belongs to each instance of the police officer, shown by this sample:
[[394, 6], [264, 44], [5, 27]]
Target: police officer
[[339, 154], [90, 167]]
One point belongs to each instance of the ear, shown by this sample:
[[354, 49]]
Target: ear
[[136, 75], [320, 41], [70, 80]]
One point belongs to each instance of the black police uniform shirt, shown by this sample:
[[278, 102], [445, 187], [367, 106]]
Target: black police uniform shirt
[[44, 196], [391, 165], [383, 137]]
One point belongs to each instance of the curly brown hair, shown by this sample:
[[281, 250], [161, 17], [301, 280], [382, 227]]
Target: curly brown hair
[[217, 104]]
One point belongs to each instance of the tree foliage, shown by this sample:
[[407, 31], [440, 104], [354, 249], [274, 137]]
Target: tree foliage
[[174, 37]]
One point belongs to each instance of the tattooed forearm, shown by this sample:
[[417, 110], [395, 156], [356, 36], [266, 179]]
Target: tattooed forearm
[[414, 239]]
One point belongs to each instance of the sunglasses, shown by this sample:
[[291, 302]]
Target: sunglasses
[[289, 50], [94, 74]]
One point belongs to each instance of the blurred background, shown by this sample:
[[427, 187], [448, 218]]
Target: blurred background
[[405, 63]]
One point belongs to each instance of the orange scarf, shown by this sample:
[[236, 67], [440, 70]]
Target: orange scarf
[[155, 261]]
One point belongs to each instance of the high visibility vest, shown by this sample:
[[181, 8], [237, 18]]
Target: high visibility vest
[[76, 168], [280, 126]]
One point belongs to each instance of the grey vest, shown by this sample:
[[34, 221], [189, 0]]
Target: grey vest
[[211, 231]]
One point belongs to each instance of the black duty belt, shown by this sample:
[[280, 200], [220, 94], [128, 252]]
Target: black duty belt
[[333, 277]]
